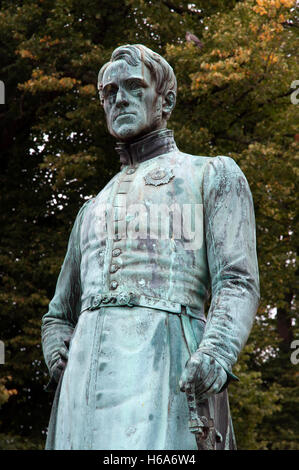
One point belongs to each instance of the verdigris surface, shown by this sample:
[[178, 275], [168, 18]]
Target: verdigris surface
[[126, 335]]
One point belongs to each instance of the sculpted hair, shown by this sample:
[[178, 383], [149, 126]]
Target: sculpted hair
[[160, 69]]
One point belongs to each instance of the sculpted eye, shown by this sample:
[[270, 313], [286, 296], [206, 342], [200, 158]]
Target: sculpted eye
[[109, 91], [135, 84]]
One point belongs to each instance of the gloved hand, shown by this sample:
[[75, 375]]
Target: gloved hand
[[207, 375], [61, 362]]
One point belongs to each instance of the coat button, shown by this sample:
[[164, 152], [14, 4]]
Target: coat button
[[114, 285], [97, 301], [114, 268], [116, 252]]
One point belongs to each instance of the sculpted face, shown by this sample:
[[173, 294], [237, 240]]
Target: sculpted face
[[132, 106]]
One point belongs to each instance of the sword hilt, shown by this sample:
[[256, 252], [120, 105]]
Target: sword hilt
[[201, 426]]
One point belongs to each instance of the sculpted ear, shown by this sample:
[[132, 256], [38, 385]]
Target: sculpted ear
[[168, 103]]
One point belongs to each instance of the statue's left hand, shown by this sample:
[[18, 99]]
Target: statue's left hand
[[205, 373]]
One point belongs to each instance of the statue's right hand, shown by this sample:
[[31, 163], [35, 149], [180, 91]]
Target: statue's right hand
[[61, 362], [57, 369]]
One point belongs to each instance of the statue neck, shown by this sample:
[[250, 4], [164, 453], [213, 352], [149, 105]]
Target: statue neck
[[149, 146]]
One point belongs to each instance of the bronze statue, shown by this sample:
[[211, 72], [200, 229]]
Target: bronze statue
[[126, 335]]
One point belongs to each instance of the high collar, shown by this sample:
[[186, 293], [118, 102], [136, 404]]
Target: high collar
[[149, 146]]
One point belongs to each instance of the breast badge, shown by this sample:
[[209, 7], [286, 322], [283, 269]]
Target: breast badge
[[159, 176]]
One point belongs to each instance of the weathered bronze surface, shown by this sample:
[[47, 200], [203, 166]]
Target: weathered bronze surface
[[138, 364]]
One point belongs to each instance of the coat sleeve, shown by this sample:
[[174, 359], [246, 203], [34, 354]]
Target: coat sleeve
[[59, 322], [231, 250]]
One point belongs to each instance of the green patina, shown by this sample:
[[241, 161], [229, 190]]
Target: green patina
[[132, 307]]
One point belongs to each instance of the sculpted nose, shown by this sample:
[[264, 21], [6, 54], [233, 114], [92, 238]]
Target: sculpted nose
[[121, 98]]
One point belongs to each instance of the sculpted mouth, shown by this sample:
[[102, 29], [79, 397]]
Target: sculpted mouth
[[124, 114]]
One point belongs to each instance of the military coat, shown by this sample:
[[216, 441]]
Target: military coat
[[169, 230]]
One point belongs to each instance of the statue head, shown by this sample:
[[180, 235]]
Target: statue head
[[137, 89]]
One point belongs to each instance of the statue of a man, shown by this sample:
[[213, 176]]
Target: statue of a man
[[126, 334]]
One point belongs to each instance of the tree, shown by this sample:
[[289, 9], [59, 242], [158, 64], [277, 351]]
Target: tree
[[233, 99]]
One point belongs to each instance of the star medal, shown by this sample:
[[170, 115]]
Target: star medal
[[159, 176]]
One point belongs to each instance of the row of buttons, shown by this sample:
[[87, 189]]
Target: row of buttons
[[123, 187]]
